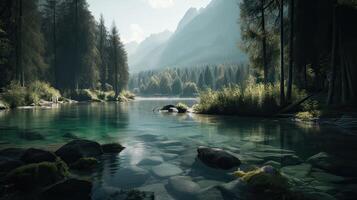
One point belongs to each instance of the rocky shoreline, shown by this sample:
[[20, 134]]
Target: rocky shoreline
[[271, 174]]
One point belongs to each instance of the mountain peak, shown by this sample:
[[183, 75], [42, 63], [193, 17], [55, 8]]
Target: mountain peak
[[189, 15]]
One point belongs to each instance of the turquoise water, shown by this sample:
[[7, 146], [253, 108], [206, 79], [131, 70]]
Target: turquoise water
[[172, 139]]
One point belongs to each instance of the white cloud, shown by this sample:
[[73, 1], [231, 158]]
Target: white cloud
[[137, 34], [161, 3]]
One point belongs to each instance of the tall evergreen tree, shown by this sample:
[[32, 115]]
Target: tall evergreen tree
[[102, 48]]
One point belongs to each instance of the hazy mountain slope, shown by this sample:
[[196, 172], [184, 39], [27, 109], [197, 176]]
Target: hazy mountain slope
[[206, 36], [147, 52], [211, 37]]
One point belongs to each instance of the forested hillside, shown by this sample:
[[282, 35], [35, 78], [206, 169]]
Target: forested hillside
[[59, 42]]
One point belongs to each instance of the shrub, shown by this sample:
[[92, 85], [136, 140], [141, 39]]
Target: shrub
[[181, 107], [15, 95], [83, 95], [255, 99], [44, 91], [127, 94]]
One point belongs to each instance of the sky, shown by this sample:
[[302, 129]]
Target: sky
[[137, 19]]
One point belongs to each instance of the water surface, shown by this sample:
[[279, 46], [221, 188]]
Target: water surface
[[172, 138]]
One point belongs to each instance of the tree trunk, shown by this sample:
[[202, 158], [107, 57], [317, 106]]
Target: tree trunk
[[333, 59], [76, 67], [282, 85], [266, 70], [55, 44], [291, 51], [21, 73]]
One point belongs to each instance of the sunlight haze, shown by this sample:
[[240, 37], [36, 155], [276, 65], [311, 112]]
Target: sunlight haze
[[143, 17]]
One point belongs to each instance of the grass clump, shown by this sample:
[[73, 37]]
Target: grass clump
[[181, 107], [310, 111], [15, 95], [250, 99], [127, 94], [83, 95]]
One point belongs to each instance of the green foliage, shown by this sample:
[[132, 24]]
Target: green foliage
[[177, 86], [44, 91], [83, 95], [181, 107], [255, 99], [189, 90], [127, 94], [15, 95]]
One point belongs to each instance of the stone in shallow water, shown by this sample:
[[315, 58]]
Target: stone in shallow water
[[175, 149], [37, 155], [169, 156], [211, 193], [169, 143], [165, 170], [159, 191], [111, 193], [297, 171], [217, 158], [183, 186], [327, 177], [153, 160], [70, 189], [208, 183], [273, 163], [131, 177]]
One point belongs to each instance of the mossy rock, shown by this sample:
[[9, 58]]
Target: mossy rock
[[37, 175], [76, 149], [112, 148], [70, 189], [37, 155], [264, 178], [85, 164]]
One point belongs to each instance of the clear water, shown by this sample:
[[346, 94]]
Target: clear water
[[145, 133]]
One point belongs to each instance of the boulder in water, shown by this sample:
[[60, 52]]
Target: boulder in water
[[73, 151], [70, 189], [37, 155], [112, 148], [217, 158], [37, 175], [85, 164]]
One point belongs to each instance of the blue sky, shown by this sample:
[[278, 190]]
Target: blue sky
[[137, 19]]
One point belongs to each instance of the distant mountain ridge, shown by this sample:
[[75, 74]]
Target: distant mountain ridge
[[206, 36]]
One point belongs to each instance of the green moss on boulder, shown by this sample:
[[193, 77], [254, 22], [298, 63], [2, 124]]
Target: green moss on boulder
[[37, 175]]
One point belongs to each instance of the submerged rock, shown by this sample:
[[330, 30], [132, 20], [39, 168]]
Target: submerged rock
[[217, 158], [183, 187], [69, 135], [8, 164], [30, 135], [153, 160], [112, 148], [36, 175], [266, 177], [159, 190], [165, 170], [132, 176], [73, 151], [13, 153], [110, 193], [85, 164], [71, 189], [37, 155], [297, 171], [324, 161]]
